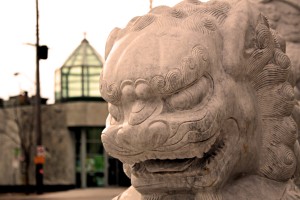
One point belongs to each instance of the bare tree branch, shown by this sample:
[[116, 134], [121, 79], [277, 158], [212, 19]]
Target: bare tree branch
[[10, 137]]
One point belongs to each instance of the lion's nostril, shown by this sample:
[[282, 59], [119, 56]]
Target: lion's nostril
[[156, 134], [156, 127], [125, 135]]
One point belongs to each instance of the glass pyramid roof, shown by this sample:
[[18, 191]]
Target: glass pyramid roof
[[84, 55], [78, 78]]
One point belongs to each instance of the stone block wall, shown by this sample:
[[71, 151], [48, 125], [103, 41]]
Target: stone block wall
[[59, 168]]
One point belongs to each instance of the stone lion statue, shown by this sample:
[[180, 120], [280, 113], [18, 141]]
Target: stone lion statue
[[200, 102]]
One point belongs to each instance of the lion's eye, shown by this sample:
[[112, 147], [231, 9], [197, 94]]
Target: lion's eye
[[191, 96], [115, 113]]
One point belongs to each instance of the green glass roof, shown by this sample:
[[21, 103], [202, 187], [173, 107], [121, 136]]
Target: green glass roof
[[78, 78], [84, 55]]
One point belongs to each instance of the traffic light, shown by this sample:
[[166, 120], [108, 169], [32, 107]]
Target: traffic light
[[43, 52]]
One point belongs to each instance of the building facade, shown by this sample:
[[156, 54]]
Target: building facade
[[71, 130]]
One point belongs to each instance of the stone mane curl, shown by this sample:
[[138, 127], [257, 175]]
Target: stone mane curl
[[190, 15], [269, 72]]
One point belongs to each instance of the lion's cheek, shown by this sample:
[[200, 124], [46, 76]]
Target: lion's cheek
[[241, 106]]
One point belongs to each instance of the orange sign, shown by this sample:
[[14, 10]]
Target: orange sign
[[39, 160]]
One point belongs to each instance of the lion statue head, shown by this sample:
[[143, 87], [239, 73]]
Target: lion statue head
[[200, 104]]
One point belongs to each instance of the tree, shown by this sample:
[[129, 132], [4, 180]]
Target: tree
[[20, 117]]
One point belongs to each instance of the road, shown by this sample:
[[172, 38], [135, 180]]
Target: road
[[76, 194]]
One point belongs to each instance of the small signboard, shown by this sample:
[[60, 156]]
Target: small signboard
[[40, 150], [39, 160]]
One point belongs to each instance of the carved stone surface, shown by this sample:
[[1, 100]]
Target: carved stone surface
[[284, 17], [200, 104]]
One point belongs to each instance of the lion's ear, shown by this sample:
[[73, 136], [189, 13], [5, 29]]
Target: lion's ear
[[236, 25], [111, 40]]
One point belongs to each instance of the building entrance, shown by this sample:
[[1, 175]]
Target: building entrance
[[94, 168], [116, 175], [89, 158]]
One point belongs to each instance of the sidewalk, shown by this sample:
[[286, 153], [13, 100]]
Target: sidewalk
[[76, 194]]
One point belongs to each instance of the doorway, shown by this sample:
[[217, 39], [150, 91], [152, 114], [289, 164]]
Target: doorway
[[94, 168]]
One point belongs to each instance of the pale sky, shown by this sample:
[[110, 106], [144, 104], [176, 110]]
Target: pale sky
[[62, 27]]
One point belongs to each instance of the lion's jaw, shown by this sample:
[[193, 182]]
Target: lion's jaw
[[185, 139]]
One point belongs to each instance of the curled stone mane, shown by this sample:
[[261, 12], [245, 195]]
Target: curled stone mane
[[217, 117], [269, 72], [190, 15]]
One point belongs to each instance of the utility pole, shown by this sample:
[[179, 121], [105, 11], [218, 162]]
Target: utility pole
[[39, 160], [39, 171]]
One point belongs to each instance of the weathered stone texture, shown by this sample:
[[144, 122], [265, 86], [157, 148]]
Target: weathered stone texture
[[284, 17], [77, 112], [60, 146]]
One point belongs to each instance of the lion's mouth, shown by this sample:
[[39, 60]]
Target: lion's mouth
[[177, 165], [187, 165], [209, 165]]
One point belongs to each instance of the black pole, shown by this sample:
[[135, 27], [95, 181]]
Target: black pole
[[39, 166]]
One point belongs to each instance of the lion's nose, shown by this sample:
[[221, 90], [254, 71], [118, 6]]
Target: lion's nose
[[141, 138]]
